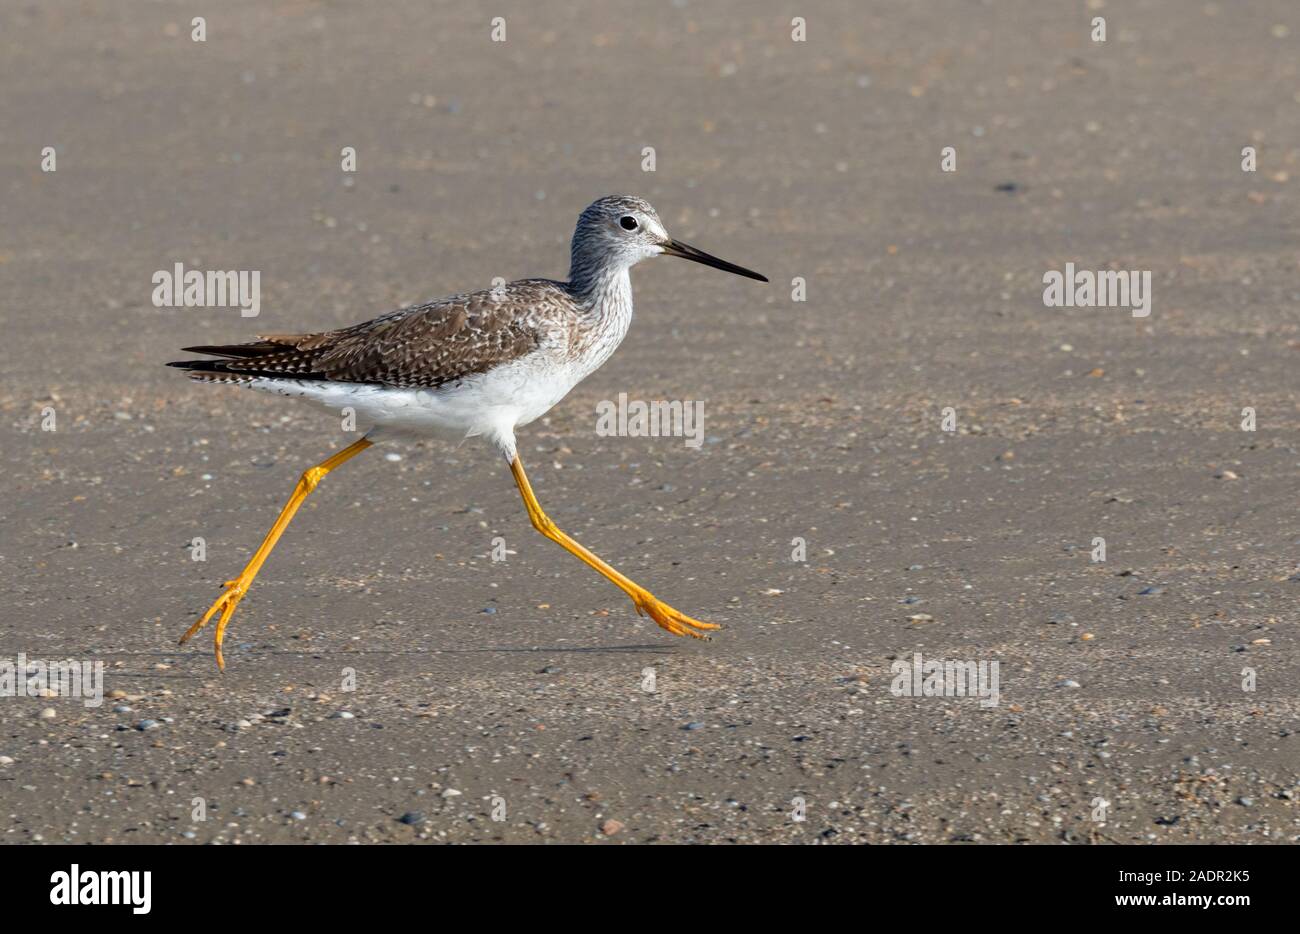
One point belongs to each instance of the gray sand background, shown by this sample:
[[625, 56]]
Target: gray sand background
[[484, 684]]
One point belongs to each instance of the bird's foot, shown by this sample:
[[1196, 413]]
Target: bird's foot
[[226, 603], [676, 622]]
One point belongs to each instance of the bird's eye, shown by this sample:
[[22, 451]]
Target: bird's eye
[[627, 222]]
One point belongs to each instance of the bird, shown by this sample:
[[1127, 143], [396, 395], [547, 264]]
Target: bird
[[475, 364]]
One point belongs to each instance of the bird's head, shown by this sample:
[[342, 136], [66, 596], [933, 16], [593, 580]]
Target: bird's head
[[619, 231]]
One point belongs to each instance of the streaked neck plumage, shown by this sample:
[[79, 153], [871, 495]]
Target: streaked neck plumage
[[600, 282], [604, 289], [604, 294]]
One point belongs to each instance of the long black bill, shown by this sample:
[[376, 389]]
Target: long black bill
[[685, 251]]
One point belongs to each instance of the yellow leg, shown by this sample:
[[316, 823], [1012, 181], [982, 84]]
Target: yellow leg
[[679, 624], [235, 589]]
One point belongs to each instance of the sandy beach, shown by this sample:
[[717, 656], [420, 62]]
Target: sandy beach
[[901, 450]]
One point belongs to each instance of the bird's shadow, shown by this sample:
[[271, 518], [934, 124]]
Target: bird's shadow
[[233, 657]]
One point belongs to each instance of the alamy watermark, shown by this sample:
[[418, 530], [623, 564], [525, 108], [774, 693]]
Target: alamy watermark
[[939, 677], [194, 288], [64, 678], [1106, 288], [660, 419], [80, 886]]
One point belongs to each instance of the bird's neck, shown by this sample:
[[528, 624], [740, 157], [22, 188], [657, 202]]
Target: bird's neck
[[605, 301], [604, 292]]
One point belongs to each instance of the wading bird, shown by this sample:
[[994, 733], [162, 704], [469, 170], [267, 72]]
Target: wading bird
[[476, 364]]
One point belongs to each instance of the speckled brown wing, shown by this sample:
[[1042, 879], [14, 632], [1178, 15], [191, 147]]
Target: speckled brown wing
[[423, 346]]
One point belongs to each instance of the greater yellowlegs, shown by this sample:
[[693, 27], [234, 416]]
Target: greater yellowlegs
[[479, 363]]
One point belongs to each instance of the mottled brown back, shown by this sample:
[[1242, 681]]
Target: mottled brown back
[[423, 346]]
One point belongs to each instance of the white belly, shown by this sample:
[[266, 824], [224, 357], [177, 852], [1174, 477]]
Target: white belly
[[491, 404]]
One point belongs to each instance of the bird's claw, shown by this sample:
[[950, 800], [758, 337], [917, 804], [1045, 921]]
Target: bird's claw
[[676, 622], [226, 603]]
